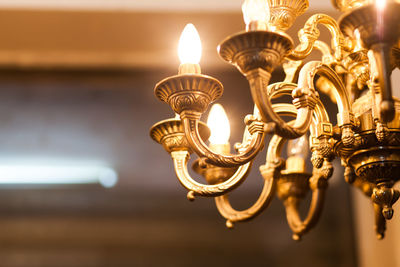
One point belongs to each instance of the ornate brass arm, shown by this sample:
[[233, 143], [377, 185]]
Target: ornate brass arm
[[345, 116], [293, 186], [318, 184], [269, 172], [190, 121], [258, 80], [305, 99], [292, 67], [180, 159], [232, 215], [310, 33], [327, 57]]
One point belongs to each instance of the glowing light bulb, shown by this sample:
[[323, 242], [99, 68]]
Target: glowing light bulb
[[298, 147], [380, 4], [297, 151], [189, 48], [219, 125], [255, 10], [358, 40]]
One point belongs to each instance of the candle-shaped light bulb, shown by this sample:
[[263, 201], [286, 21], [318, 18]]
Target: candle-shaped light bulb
[[298, 147], [219, 125], [189, 48], [297, 150], [255, 12]]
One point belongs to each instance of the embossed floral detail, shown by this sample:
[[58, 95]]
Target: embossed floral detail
[[256, 49], [191, 101], [175, 142]]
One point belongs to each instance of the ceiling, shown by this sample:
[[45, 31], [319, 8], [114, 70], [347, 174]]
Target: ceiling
[[139, 5], [115, 34]]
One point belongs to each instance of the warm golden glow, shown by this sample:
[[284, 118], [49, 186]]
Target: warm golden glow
[[255, 10], [380, 4], [219, 125], [358, 40], [189, 48]]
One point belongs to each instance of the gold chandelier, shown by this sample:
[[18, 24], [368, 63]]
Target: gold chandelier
[[354, 72]]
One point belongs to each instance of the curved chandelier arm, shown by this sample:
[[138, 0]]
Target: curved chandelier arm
[[269, 171], [345, 116], [281, 88], [180, 159], [258, 81], [263, 201], [310, 33], [313, 68], [318, 181], [323, 47], [305, 99], [256, 128], [299, 227]]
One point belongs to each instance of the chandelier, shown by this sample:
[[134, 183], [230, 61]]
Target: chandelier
[[354, 71]]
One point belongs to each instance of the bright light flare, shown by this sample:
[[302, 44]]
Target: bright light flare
[[14, 174], [255, 10], [358, 40], [219, 125], [189, 47], [380, 4]]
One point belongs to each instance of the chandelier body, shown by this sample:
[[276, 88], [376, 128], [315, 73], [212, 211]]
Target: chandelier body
[[354, 72]]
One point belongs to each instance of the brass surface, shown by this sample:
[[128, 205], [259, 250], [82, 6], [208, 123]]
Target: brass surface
[[193, 92], [346, 5], [169, 133], [283, 13], [256, 49], [354, 72]]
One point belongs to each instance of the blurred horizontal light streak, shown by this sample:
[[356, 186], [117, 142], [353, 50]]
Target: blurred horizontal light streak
[[18, 174]]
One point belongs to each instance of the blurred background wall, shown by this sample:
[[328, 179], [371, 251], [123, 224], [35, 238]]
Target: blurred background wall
[[76, 85]]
